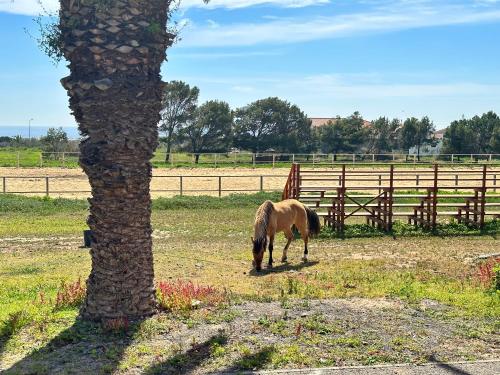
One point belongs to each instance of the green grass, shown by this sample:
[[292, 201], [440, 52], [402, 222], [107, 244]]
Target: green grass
[[32, 157], [207, 240]]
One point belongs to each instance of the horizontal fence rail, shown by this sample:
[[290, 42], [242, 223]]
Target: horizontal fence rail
[[70, 159], [161, 186]]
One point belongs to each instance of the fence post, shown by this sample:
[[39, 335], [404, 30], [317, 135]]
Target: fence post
[[494, 183], [220, 186], [46, 186], [456, 182], [313, 161], [417, 180], [215, 160], [254, 157], [293, 158], [373, 158], [274, 160], [393, 156], [261, 184], [4, 184], [18, 157], [452, 158], [64, 159], [180, 185], [172, 159], [353, 158], [490, 158]]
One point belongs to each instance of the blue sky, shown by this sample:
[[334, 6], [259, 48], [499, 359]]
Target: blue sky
[[396, 58]]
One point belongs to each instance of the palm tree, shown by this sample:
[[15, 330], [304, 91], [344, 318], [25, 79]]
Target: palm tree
[[115, 49]]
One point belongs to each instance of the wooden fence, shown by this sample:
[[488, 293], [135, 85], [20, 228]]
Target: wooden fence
[[469, 195], [215, 185]]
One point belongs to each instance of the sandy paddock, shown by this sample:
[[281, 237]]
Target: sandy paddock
[[166, 182], [205, 181]]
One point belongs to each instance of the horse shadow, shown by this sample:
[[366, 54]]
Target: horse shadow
[[83, 348], [284, 267]]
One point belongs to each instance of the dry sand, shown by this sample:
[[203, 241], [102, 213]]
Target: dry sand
[[205, 181]]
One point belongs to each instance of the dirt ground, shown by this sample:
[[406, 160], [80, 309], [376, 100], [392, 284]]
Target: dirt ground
[[256, 335], [72, 183]]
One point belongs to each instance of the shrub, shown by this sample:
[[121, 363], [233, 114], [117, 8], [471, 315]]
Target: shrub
[[70, 295], [184, 295], [488, 274]]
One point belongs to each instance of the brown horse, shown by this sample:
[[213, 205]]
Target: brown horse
[[280, 217]]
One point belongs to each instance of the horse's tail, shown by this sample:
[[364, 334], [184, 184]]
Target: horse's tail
[[262, 218], [313, 223]]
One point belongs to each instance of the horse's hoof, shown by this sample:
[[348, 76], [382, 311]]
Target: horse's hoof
[[284, 260], [304, 259], [270, 266]]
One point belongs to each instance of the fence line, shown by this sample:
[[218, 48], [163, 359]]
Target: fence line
[[46, 183], [184, 184], [64, 159]]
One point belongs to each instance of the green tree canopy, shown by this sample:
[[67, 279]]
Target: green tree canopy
[[56, 140], [179, 105], [342, 135], [479, 134], [273, 123], [383, 135], [417, 132], [210, 130]]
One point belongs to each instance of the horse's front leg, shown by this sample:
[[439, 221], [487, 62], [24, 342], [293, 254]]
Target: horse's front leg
[[271, 247]]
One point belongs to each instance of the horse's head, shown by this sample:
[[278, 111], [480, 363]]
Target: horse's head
[[259, 247]]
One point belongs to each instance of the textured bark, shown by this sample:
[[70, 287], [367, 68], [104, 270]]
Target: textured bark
[[115, 49]]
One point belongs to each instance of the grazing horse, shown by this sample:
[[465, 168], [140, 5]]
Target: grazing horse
[[280, 217]]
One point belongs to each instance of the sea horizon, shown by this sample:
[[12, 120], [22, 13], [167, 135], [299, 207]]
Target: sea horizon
[[36, 131]]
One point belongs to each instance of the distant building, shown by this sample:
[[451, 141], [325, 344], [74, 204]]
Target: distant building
[[439, 135], [322, 121]]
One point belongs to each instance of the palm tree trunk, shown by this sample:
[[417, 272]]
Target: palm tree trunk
[[115, 50]]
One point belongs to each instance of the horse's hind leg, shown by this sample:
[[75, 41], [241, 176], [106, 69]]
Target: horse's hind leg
[[304, 258], [271, 248], [289, 237], [304, 233]]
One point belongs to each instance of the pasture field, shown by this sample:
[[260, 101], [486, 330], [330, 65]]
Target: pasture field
[[370, 298]]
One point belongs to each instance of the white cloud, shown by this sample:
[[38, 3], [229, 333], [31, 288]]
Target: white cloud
[[32, 7], [28, 7], [234, 4], [334, 26]]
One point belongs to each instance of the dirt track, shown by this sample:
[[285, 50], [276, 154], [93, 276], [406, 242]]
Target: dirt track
[[74, 183], [205, 181]]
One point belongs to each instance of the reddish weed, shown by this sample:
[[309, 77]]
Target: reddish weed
[[488, 273], [70, 294], [184, 295], [116, 325]]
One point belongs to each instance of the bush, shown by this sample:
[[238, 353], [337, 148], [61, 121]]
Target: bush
[[70, 295], [184, 295]]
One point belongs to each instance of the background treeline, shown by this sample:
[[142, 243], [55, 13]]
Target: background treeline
[[275, 124]]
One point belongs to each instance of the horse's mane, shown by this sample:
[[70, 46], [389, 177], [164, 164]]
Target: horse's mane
[[262, 218]]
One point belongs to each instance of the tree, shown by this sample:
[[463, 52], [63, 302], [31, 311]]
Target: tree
[[476, 135], [115, 50], [483, 129], [56, 140], [417, 132], [179, 104], [210, 131], [458, 138], [273, 123], [342, 135], [383, 135]]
